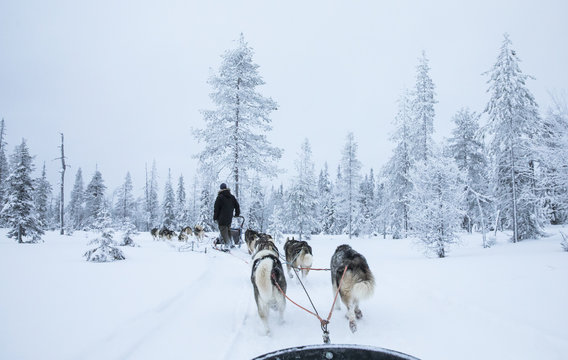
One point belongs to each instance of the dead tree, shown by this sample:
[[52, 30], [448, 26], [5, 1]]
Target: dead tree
[[61, 200]]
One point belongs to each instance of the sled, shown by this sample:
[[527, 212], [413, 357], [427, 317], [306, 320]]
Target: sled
[[335, 352], [234, 235]]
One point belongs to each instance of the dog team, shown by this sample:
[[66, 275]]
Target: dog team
[[269, 281], [184, 234]]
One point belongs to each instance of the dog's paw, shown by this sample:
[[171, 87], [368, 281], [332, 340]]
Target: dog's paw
[[358, 314], [352, 326]]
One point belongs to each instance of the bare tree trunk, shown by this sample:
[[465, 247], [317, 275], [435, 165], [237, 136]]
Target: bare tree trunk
[[62, 202]]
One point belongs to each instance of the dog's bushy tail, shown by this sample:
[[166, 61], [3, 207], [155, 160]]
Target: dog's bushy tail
[[364, 289], [361, 285], [307, 258], [263, 278]]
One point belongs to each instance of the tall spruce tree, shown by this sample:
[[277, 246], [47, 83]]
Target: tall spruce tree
[[466, 147], [513, 122], [151, 196], [235, 132], [76, 206], [397, 170], [168, 205], [257, 210], [423, 111], [327, 210], [41, 198], [19, 211], [95, 201], [302, 196], [349, 183], [554, 152], [124, 207], [181, 208]]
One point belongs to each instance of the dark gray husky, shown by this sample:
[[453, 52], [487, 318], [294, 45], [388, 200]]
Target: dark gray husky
[[358, 282]]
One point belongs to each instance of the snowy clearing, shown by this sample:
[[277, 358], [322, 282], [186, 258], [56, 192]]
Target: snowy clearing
[[506, 302]]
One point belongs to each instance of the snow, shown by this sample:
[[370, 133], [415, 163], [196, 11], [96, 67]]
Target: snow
[[508, 301]]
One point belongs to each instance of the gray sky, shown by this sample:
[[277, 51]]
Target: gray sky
[[125, 80]]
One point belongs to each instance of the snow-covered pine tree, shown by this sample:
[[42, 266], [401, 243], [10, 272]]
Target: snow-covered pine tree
[[381, 208], [327, 221], [257, 212], [181, 208], [4, 167], [235, 132], [41, 198], [152, 206], [107, 250], [94, 201], [340, 214], [76, 206], [423, 112], [349, 184], [365, 220], [205, 216], [276, 221], [513, 121], [396, 171], [19, 210], [436, 203], [466, 147], [554, 150], [168, 205], [124, 208], [302, 195]]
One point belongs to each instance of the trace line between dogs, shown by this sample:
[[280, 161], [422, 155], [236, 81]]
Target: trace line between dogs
[[322, 321]]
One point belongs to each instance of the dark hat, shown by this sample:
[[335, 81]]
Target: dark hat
[[223, 186]]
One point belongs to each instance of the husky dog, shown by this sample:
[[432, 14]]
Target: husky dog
[[154, 233], [262, 244], [266, 273], [298, 255], [358, 282], [166, 233], [251, 237], [185, 233], [199, 232]]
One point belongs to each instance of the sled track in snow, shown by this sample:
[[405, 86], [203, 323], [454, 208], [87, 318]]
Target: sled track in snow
[[149, 322]]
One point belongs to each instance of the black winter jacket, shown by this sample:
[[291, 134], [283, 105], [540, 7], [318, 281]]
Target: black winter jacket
[[225, 204]]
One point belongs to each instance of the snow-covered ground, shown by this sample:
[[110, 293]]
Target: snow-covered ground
[[506, 302]]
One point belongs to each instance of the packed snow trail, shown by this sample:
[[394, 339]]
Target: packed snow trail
[[504, 302]]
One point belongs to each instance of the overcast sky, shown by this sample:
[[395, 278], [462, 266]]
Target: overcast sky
[[125, 80]]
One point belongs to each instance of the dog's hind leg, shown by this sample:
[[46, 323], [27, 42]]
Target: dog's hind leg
[[358, 313], [281, 307], [263, 310], [351, 316], [289, 267]]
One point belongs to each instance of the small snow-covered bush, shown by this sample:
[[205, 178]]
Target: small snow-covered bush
[[107, 250], [104, 253], [129, 230]]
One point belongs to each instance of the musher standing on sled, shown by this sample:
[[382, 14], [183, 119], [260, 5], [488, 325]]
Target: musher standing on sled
[[225, 204]]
